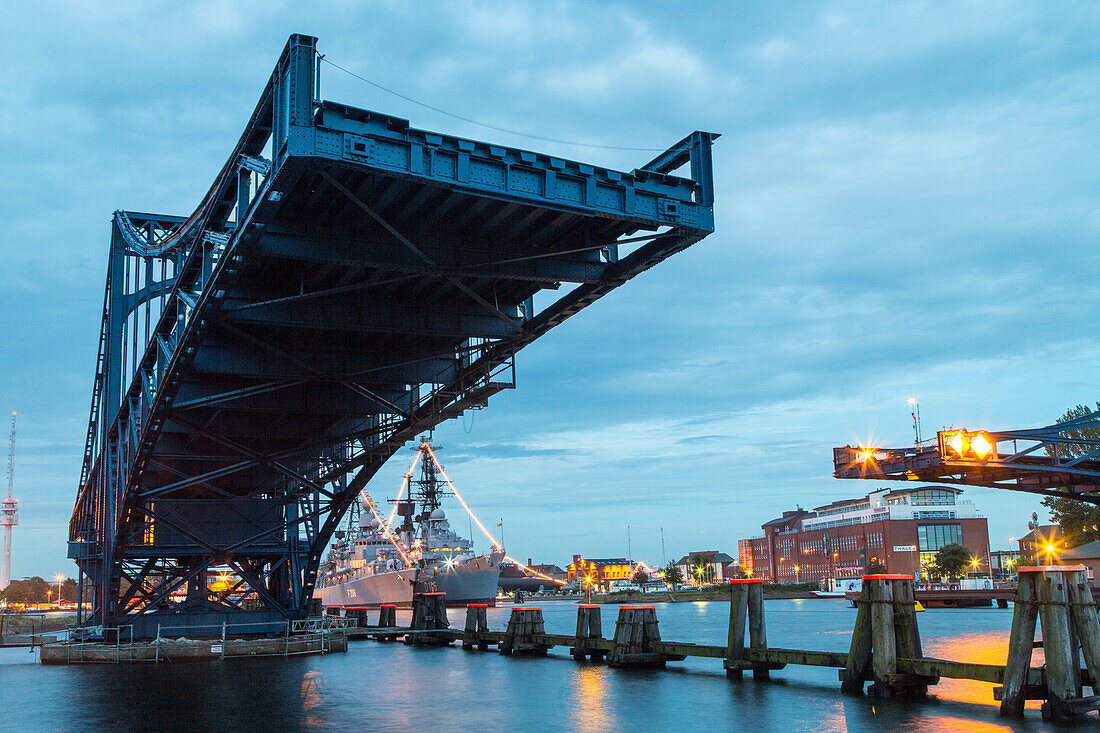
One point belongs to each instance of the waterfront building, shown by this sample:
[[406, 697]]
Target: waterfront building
[[1087, 555], [1042, 545], [1003, 563], [550, 571], [600, 571], [899, 529], [706, 566]]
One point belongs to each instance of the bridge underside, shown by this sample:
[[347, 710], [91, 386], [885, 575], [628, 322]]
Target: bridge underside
[[347, 283]]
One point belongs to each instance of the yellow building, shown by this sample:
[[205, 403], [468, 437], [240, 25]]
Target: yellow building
[[600, 572]]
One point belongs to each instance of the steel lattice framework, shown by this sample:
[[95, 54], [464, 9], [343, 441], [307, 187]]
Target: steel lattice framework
[[346, 283], [1061, 460]]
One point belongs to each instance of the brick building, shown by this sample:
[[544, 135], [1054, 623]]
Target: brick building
[[900, 528]]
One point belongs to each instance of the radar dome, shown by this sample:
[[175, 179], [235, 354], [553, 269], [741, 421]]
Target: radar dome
[[374, 523], [438, 514]]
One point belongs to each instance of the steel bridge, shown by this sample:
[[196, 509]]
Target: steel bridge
[[1061, 460], [347, 282]]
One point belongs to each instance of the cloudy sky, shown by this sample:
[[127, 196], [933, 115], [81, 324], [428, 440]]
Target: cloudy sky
[[906, 205]]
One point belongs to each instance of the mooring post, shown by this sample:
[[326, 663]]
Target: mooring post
[[387, 616], [1020, 639], [758, 638], [1058, 643], [636, 632], [476, 623], [1083, 608], [859, 652], [523, 626], [735, 640], [589, 626], [907, 636], [429, 614], [884, 658]]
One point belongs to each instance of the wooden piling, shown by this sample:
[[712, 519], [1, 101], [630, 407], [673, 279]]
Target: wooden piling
[[636, 633], [387, 616], [476, 623], [524, 625], [859, 651], [886, 628], [429, 614], [758, 638], [1020, 639], [589, 627], [1058, 644], [884, 657], [735, 640]]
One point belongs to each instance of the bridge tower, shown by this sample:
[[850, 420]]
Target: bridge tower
[[347, 282]]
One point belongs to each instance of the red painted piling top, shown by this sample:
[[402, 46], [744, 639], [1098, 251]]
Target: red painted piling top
[[477, 605], [527, 608], [388, 605], [637, 608], [588, 605], [1050, 568], [747, 580], [884, 576]]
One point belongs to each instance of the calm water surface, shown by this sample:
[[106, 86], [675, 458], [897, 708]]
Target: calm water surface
[[393, 687]]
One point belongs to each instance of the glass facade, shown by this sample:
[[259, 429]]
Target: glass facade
[[932, 497], [932, 537]]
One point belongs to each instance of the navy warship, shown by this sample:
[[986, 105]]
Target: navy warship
[[372, 563]]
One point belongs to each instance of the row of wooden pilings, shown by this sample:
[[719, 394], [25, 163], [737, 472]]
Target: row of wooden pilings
[[885, 647]]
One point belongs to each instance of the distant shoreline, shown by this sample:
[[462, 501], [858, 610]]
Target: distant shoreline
[[693, 597]]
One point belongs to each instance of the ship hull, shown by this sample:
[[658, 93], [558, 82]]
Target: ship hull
[[370, 591], [474, 581]]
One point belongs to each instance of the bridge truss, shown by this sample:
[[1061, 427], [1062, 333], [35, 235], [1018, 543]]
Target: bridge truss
[[347, 282], [1061, 460]]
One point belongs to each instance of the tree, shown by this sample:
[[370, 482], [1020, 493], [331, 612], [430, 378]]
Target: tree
[[641, 577], [953, 560], [875, 568], [672, 575], [701, 570], [1080, 522], [29, 590]]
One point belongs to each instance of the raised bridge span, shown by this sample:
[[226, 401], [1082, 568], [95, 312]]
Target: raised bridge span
[[347, 282]]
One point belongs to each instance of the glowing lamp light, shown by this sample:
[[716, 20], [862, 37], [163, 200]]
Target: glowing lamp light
[[981, 446], [958, 443], [1050, 548]]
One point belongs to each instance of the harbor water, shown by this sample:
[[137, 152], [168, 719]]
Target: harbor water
[[377, 686]]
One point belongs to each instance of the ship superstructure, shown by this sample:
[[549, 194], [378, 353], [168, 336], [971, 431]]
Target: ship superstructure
[[373, 562]]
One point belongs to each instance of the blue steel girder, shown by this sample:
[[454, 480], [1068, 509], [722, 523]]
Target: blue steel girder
[[347, 282], [1060, 460]]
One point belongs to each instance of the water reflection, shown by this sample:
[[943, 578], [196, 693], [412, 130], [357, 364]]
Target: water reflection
[[589, 689], [988, 647]]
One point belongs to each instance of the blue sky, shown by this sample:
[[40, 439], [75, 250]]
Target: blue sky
[[906, 205]]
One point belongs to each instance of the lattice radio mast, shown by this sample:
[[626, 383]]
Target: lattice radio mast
[[9, 511]]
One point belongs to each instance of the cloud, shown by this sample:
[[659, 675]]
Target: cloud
[[905, 205]]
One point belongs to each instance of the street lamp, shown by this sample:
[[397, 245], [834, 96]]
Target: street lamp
[[59, 578]]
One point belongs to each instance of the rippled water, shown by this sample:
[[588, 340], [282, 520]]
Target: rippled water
[[393, 687]]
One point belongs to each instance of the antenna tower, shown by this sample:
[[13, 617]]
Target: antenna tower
[[9, 511]]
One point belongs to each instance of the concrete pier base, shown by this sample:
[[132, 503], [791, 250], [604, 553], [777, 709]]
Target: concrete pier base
[[198, 650]]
